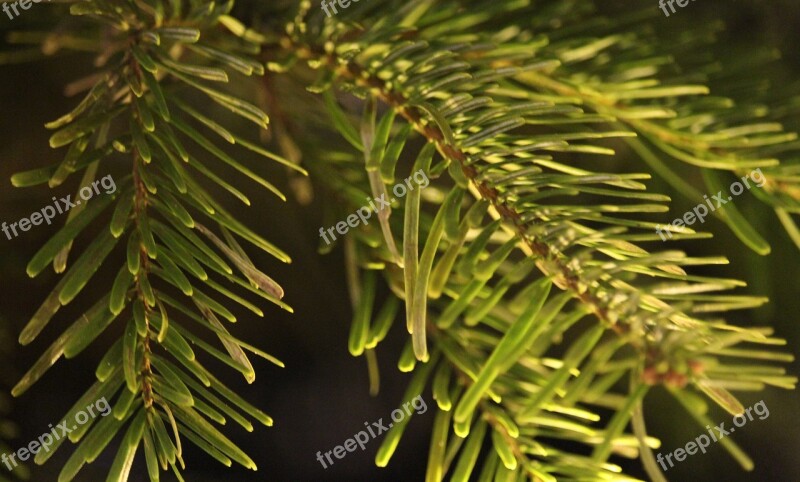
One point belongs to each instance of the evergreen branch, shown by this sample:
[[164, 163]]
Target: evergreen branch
[[550, 261], [135, 97], [450, 74], [497, 110]]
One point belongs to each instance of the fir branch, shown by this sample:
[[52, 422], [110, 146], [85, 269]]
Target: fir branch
[[501, 114]]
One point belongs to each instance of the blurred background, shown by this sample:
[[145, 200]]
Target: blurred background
[[321, 398]]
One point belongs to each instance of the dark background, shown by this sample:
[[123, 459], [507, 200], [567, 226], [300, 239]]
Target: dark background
[[321, 398]]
